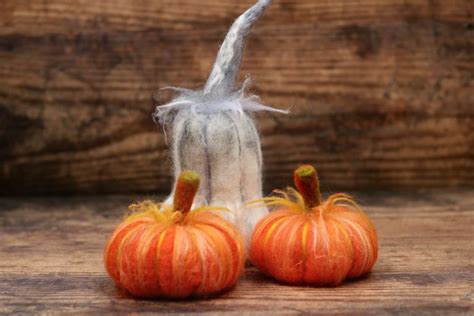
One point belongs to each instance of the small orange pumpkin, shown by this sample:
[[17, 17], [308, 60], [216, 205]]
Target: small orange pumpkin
[[313, 242], [170, 251]]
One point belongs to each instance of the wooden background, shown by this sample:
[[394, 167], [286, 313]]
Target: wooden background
[[381, 91]]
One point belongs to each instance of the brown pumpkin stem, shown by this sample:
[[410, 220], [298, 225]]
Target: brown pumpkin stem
[[186, 188], [307, 183]]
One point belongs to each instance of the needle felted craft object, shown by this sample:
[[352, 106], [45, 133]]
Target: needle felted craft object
[[310, 241], [171, 251], [212, 132]]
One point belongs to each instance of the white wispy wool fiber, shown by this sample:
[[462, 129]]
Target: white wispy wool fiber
[[213, 134]]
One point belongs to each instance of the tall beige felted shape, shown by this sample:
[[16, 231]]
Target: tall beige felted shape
[[212, 133]]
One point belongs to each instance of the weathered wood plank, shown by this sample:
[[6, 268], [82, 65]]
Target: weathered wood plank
[[380, 91], [51, 250]]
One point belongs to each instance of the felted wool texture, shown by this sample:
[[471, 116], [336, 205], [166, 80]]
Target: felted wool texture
[[322, 246], [307, 240], [160, 252], [225, 148], [213, 133]]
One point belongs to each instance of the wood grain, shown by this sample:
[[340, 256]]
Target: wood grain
[[51, 262], [380, 91]]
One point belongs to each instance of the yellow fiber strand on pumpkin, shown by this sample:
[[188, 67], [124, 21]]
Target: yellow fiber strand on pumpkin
[[164, 213], [290, 199], [343, 200]]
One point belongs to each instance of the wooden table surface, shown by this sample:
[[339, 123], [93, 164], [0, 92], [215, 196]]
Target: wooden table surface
[[51, 262]]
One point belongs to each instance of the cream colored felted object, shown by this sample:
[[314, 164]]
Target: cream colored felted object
[[213, 134]]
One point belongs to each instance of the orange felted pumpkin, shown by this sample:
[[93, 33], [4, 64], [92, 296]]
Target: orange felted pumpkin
[[170, 251], [313, 242]]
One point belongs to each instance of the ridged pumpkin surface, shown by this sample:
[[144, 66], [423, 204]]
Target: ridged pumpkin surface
[[149, 255], [163, 251], [319, 245]]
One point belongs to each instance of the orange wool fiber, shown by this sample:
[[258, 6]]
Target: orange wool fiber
[[172, 252], [312, 242]]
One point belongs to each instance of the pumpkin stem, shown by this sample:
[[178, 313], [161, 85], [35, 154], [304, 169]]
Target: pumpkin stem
[[307, 183], [186, 188]]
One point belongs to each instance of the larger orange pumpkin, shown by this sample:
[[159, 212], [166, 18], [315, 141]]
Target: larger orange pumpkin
[[169, 251], [309, 241]]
